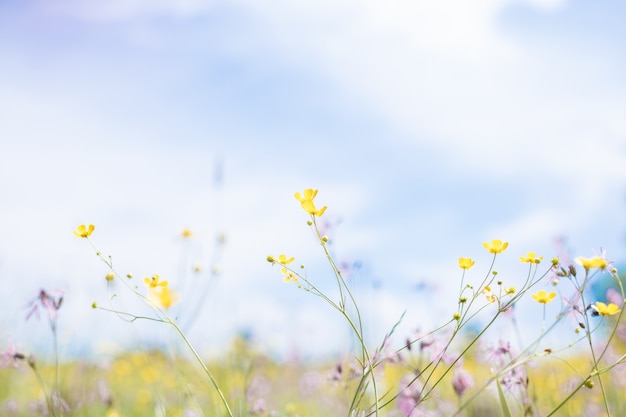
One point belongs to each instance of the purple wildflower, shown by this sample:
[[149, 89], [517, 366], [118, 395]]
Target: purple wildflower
[[11, 355], [499, 354], [461, 381], [50, 302], [409, 396]]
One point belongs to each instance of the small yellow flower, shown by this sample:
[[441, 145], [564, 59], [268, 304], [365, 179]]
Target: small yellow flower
[[306, 202], [186, 233], [594, 262], [155, 281], [543, 297], [163, 296], [283, 260], [531, 258], [605, 310], [466, 263], [84, 231], [110, 276], [496, 246], [288, 276], [491, 297]]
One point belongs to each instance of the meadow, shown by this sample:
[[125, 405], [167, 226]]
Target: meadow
[[449, 370]]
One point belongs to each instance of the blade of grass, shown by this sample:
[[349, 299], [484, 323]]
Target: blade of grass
[[506, 412]]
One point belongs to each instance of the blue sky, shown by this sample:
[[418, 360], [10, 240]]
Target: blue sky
[[428, 127]]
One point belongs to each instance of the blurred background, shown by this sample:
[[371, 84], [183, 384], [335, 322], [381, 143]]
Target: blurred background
[[428, 127]]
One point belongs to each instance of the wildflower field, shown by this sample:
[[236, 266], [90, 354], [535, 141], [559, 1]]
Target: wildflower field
[[455, 368]]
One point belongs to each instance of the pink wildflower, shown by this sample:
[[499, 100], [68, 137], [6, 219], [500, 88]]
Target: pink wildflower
[[461, 381], [50, 302], [11, 355], [409, 396]]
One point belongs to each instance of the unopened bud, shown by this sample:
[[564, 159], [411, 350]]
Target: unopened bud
[[572, 270]]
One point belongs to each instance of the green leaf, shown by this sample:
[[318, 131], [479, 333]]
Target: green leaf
[[503, 405]]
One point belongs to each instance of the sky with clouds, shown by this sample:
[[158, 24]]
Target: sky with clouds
[[428, 127]]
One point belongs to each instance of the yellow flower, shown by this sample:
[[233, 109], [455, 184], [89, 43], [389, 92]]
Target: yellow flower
[[289, 276], [186, 233], [110, 276], [166, 297], [496, 246], [594, 262], [283, 260], [155, 282], [543, 297], [531, 258], [466, 263], [491, 297], [84, 231], [306, 202], [605, 310], [163, 296]]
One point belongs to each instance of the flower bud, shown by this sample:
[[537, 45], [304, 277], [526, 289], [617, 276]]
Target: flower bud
[[572, 270]]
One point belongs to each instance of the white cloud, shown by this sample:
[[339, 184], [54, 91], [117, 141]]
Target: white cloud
[[438, 74]]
